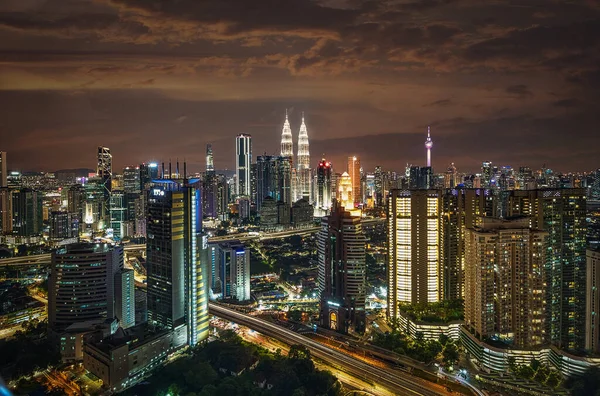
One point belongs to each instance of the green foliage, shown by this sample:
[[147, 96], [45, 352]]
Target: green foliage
[[587, 384], [420, 349], [536, 371], [29, 350], [199, 375], [295, 315], [439, 312]]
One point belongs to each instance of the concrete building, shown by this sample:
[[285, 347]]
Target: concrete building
[[302, 214], [81, 284], [414, 265], [342, 272], [354, 173], [243, 160], [27, 216], [231, 267], [592, 307], [125, 297], [504, 281]]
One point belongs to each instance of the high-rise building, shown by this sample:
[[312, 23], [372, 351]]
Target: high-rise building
[[148, 172], [450, 178], [562, 214], [323, 186], [342, 271], [303, 165], [287, 143], [131, 180], [125, 297], [63, 225], [487, 174], [210, 164], [118, 214], [27, 215], [176, 262], [504, 281], [414, 262], [428, 146], [104, 172], [3, 170], [81, 284], [273, 179], [209, 187], [379, 195], [354, 173], [592, 311], [231, 262], [420, 177], [6, 211], [345, 196], [243, 159]]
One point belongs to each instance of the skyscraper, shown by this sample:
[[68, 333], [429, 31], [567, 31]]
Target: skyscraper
[[592, 311], [27, 212], [81, 284], [125, 297], [450, 178], [303, 166], [177, 269], [243, 159], [148, 172], [414, 227], [104, 172], [379, 198], [210, 165], [428, 146], [342, 271], [561, 213], [273, 179], [287, 143], [354, 173], [323, 186], [209, 187], [504, 281], [231, 262], [131, 180], [118, 214], [345, 195], [3, 170]]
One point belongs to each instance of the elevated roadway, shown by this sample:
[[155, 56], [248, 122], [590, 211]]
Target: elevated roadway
[[396, 381]]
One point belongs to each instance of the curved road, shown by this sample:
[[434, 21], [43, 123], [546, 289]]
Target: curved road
[[398, 382]]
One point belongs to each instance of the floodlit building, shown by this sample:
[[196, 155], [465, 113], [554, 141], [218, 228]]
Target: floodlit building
[[243, 160]]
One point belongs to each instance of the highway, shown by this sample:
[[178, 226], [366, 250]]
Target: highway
[[44, 259], [400, 383]]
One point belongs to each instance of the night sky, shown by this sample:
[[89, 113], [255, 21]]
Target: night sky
[[513, 82]]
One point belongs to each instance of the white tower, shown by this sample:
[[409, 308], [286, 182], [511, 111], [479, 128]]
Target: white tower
[[303, 166], [287, 144], [428, 146]]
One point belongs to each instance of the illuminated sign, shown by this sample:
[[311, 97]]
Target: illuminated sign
[[158, 192], [153, 165]]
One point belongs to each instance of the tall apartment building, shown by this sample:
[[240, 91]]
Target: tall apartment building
[[504, 281], [592, 308], [176, 262], [230, 267], [342, 271], [562, 214], [81, 284], [414, 240]]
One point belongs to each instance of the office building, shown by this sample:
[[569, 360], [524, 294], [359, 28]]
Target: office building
[[592, 308], [76, 197], [176, 261], [451, 177], [210, 187], [302, 214], [273, 179], [414, 262], [243, 159], [6, 211], [27, 214], [131, 180], [420, 178], [81, 284], [562, 214], [287, 143], [125, 297], [3, 170], [231, 263], [342, 271], [323, 187], [104, 173], [345, 195], [504, 281], [118, 214], [303, 166], [354, 173], [148, 172], [63, 225]]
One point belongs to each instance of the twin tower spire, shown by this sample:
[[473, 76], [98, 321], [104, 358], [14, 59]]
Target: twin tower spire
[[287, 143]]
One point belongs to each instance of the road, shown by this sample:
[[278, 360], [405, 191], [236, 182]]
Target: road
[[397, 381], [44, 259]]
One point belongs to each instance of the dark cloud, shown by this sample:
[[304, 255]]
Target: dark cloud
[[519, 90], [441, 102]]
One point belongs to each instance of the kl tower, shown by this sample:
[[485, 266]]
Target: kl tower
[[428, 146]]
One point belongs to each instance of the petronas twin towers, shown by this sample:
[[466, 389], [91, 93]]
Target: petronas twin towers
[[301, 184]]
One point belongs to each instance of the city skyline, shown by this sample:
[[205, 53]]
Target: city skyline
[[492, 78]]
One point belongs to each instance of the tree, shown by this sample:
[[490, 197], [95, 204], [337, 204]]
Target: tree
[[450, 354], [299, 352], [295, 315]]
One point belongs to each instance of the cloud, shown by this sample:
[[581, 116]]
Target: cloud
[[520, 90], [441, 102]]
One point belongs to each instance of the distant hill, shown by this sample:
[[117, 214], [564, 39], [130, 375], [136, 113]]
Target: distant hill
[[73, 173]]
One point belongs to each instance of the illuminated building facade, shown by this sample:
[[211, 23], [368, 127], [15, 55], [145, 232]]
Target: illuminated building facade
[[125, 297], [243, 160], [148, 172], [450, 178], [414, 232], [342, 271], [104, 173], [504, 281], [562, 214], [177, 269], [287, 143], [118, 214], [345, 195], [354, 174], [273, 179], [81, 284], [592, 311], [27, 212], [323, 186], [231, 263], [303, 189]]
